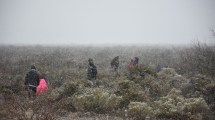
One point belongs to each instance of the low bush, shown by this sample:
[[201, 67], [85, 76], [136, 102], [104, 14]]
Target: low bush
[[130, 91], [96, 100], [139, 110], [67, 89], [174, 105]]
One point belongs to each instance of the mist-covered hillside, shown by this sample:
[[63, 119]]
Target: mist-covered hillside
[[174, 82]]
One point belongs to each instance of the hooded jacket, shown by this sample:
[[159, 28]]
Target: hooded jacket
[[42, 87], [32, 78]]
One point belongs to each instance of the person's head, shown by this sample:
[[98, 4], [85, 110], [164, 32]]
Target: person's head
[[42, 76], [117, 57], [132, 60], [33, 67], [90, 61], [136, 59]]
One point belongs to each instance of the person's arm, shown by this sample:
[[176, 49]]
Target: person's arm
[[38, 79], [95, 70], [89, 73], [26, 79]]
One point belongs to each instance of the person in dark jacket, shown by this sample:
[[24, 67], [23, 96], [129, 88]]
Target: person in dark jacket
[[92, 71], [115, 63], [32, 81], [114, 66], [136, 60]]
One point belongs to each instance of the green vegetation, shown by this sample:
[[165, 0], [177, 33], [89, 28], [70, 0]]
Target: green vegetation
[[179, 91]]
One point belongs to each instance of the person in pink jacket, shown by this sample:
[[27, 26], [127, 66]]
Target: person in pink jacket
[[42, 87]]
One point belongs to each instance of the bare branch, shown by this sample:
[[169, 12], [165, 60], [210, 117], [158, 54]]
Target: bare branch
[[212, 31]]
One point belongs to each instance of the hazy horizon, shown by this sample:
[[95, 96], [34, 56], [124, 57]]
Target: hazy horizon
[[112, 22]]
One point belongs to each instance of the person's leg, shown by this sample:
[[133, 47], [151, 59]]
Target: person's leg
[[31, 92], [94, 82], [112, 73], [34, 90]]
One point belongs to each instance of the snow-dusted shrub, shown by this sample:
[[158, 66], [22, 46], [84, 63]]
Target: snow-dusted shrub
[[139, 110], [97, 100], [130, 91], [174, 105], [165, 72], [67, 89]]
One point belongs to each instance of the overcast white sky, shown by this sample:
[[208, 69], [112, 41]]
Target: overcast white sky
[[105, 21]]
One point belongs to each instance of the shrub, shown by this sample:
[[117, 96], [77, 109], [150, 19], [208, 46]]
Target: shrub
[[209, 96], [139, 110], [166, 72], [147, 70], [131, 91], [174, 105], [159, 86], [96, 100], [195, 105], [67, 89], [199, 58]]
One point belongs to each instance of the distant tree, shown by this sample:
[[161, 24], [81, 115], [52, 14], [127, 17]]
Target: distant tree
[[199, 58], [212, 31]]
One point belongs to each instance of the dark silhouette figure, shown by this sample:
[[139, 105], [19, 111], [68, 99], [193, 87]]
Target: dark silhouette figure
[[136, 60], [32, 81], [92, 71], [115, 63], [114, 67]]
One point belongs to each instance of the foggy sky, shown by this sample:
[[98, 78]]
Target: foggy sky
[[105, 21]]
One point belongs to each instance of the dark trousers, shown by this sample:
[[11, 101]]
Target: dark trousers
[[32, 91]]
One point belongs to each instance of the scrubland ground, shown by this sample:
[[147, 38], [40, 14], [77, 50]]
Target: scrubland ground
[[178, 83]]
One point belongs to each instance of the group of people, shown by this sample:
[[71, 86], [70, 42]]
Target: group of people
[[37, 85], [132, 69]]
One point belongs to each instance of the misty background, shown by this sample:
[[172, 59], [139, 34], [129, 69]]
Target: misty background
[[69, 22]]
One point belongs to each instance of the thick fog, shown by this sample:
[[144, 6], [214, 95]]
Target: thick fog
[[105, 21]]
